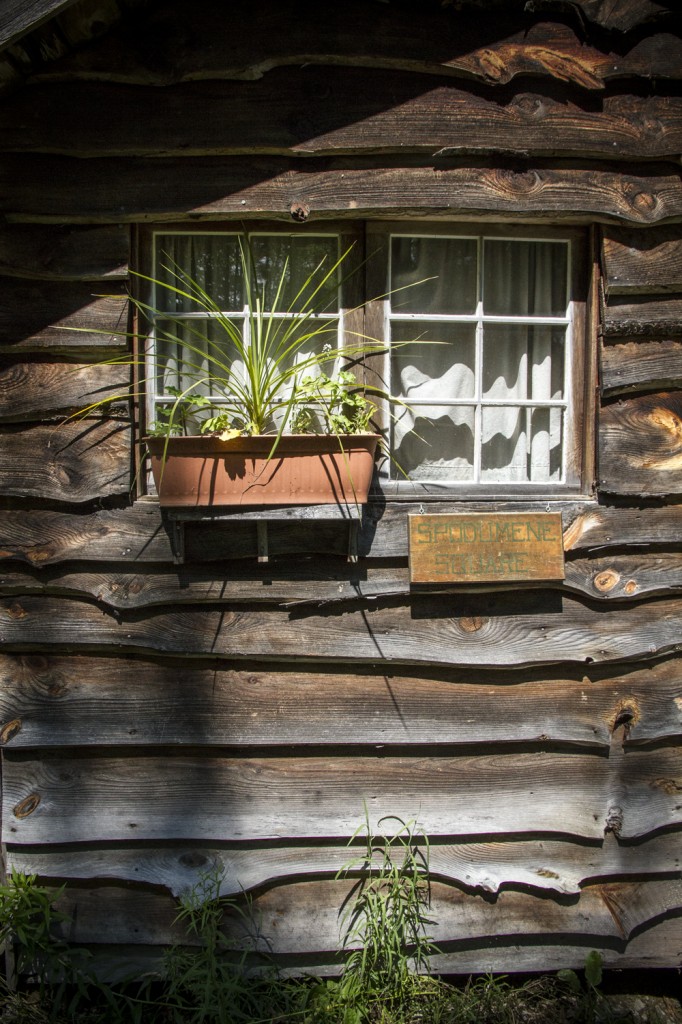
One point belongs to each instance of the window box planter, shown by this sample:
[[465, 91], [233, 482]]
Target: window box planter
[[305, 469]]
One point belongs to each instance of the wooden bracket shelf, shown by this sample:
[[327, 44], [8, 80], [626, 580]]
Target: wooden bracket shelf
[[177, 518]]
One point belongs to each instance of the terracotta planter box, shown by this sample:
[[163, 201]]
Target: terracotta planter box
[[306, 469]]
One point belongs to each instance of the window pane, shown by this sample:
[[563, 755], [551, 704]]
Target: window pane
[[292, 261], [504, 444], [521, 445], [546, 445], [212, 261], [430, 360], [524, 278], [434, 443], [187, 351], [523, 362], [448, 263]]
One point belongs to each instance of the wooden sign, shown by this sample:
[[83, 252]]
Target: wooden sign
[[488, 547]]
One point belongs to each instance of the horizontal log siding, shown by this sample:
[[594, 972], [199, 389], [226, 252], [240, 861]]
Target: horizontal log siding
[[122, 189], [159, 720], [365, 111], [393, 38], [64, 701]]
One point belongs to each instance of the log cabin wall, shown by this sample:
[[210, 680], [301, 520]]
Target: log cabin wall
[[158, 720]]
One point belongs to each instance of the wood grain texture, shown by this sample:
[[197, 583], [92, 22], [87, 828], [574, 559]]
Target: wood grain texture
[[610, 913], [50, 798], [364, 111], [74, 461], [121, 190], [643, 261], [21, 16], [40, 391], [640, 445], [61, 701], [500, 630], [641, 365], [552, 866], [61, 316], [289, 584], [52, 252], [657, 946], [136, 535], [642, 316], [159, 52]]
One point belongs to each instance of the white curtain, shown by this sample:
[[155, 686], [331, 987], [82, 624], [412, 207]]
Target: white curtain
[[280, 267], [517, 278]]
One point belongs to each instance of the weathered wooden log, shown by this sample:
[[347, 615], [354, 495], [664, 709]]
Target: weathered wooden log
[[637, 316], [62, 316], [75, 461], [557, 866], [643, 261], [313, 912], [62, 701], [121, 190], [51, 252], [640, 445], [41, 391], [641, 365], [365, 111], [65, 798], [501, 630], [289, 584], [654, 947], [20, 17], [137, 534], [433, 43]]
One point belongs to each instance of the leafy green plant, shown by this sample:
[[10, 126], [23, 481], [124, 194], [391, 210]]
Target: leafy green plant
[[385, 924], [592, 1003], [210, 983], [27, 921]]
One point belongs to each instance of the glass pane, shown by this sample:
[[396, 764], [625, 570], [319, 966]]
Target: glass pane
[[523, 362], [524, 278], [212, 261], [546, 445], [430, 360], [504, 449], [434, 443], [188, 352], [433, 275], [285, 343], [298, 264]]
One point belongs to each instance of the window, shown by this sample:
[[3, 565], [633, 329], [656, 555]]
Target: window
[[484, 341]]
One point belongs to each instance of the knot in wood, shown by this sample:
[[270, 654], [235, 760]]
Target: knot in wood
[[40, 554], [472, 623], [630, 587], [26, 806], [626, 713], [299, 211], [513, 182], [492, 66], [530, 107], [9, 730], [645, 203], [16, 611], [614, 820], [606, 580]]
